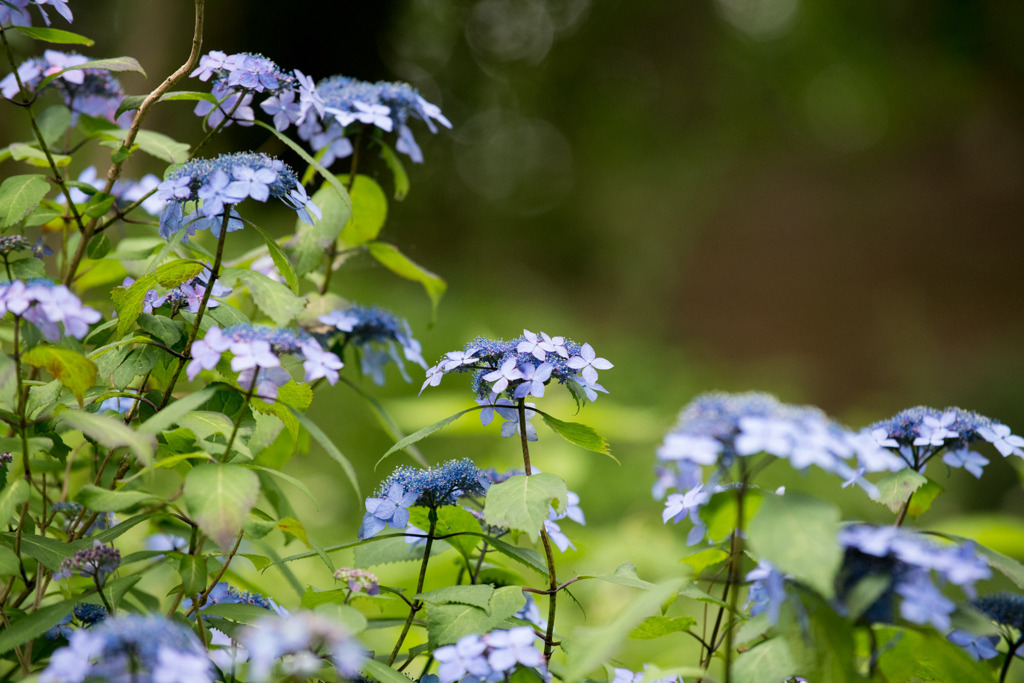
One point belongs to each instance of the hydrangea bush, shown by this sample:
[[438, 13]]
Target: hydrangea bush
[[144, 380]]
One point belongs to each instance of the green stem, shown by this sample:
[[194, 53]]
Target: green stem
[[214, 273], [418, 605], [735, 562]]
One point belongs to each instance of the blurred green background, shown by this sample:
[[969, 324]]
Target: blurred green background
[[822, 200]]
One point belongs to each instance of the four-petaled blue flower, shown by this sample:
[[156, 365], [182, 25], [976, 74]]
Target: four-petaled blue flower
[[391, 510]]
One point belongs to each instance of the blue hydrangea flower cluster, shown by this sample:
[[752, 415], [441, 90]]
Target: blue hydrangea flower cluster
[[256, 352], [300, 640], [717, 428], [505, 371], [1004, 608], [209, 187], [15, 12], [188, 295], [86, 614], [432, 487], [237, 78], [918, 434], [131, 647], [386, 105], [629, 676], [358, 580], [224, 593], [490, 657], [47, 306], [97, 563], [95, 92], [374, 333]]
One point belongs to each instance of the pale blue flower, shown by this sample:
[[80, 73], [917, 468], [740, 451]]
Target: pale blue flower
[[967, 459], [978, 647], [516, 646], [390, 510], [588, 363], [465, 657]]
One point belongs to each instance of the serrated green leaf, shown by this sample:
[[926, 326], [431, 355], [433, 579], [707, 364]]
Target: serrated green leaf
[[34, 625], [767, 661], [42, 397], [522, 503], [12, 497], [100, 499], [369, 211], [273, 298], [192, 570], [35, 157], [579, 434], [52, 35], [424, 433], [398, 174], [111, 433], [163, 328], [50, 552], [128, 302], [292, 397], [218, 498], [74, 370], [398, 263], [658, 626], [624, 575], [477, 596], [447, 623], [785, 526], [19, 196], [54, 122], [595, 646], [895, 488]]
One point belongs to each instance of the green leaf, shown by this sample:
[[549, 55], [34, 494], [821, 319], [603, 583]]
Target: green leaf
[[100, 499], [50, 552], [54, 122], [192, 570], [478, 596], [163, 328], [369, 211], [624, 575], [703, 559], [273, 298], [527, 557], [768, 661], [237, 611], [451, 519], [594, 646], [99, 203], [176, 411], [331, 449], [19, 196], [424, 433], [52, 35], [110, 64], [34, 625], [297, 483], [284, 266], [99, 246], [398, 173], [897, 487], [36, 157], [398, 263], [658, 626], [74, 370], [219, 497], [12, 497], [291, 397], [382, 672], [128, 301], [135, 101], [314, 240], [447, 623], [388, 550], [521, 502], [579, 434], [8, 562], [923, 498], [111, 433], [927, 656], [786, 526]]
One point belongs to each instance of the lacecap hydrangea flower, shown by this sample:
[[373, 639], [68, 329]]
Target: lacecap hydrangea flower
[[47, 306], [412, 486], [715, 429], [95, 92], [918, 434], [256, 352], [300, 641], [200, 191], [131, 648], [490, 657], [188, 295], [15, 12], [96, 562], [377, 336]]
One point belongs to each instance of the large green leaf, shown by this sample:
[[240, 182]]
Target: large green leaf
[[291, 397], [624, 575], [19, 196], [111, 433], [52, 35], [170, 415], [453, 523], [135, 101], [11, 497], [786, 526], [658, 626], [768, 661], [34, 624], [476, 595], [369, 211], [398, 263], [36, 157], [219, 497], [382, 672], [104, 500], [594, 646], [74, 370], [398, 173], [273, 298], [447, 623], [111, 64], [522, 503], [578, 434]]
